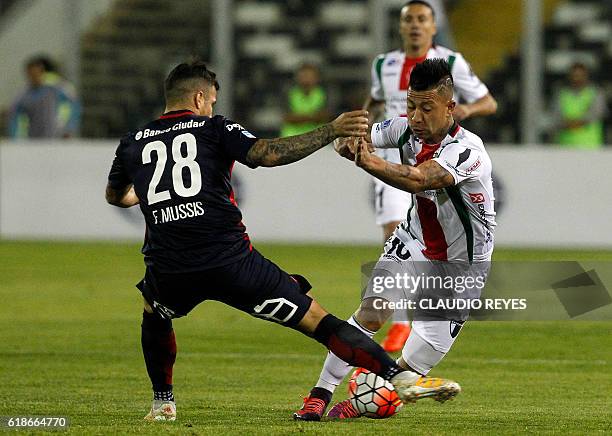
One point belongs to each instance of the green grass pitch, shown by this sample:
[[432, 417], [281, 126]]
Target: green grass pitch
[[70, 327]]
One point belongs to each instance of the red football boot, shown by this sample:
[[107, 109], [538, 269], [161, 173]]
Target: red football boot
[[312, 409], [343, 410]]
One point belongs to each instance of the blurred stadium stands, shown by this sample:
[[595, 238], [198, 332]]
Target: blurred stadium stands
[[127, 50], [127, 53]]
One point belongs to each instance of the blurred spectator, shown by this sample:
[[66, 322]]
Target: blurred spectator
[[48, 108], [307, 103], [579, 110]]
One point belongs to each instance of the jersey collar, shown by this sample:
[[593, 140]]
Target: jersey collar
[[176, 114], [420, 58], [452, 132], [454, 129]]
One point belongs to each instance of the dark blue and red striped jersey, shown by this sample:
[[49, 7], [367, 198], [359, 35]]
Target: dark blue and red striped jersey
[[181, 167]]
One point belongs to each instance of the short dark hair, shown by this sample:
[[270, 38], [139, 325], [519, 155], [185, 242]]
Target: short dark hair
[[44, 61], [422, 3], [580, 66], [429, 74], [185, 78]]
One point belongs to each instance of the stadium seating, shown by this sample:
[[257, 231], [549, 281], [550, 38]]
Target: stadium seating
[[274, 37], [580, 30], [128, 52], [126, 55]]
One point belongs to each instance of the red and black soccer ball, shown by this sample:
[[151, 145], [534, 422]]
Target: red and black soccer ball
[[373, 396]]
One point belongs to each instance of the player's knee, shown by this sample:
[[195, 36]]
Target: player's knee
[[367, 321], [389, 228], [147, 306], [371, 316], [155, 325], [308, 324]]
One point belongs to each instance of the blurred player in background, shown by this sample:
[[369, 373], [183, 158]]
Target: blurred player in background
[[178, 169], [48, 108], [579, 111], [390, 80], [306, 102], [448, 233]]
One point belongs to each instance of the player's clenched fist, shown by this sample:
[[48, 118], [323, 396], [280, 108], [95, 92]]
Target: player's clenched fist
[[345, 147], [351, 124], [363, 154]]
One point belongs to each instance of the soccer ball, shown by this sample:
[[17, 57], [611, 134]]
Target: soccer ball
[[373, 396]]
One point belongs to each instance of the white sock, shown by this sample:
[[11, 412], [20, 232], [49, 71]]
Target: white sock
[[335, 369]]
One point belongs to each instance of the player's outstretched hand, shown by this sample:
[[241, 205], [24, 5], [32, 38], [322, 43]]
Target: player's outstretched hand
[[353, 123]]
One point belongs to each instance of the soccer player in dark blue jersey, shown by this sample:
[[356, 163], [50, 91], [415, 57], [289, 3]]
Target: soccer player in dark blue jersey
[[178, 169]]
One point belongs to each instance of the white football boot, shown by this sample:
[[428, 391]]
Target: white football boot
[[411, 387], [162, 411]]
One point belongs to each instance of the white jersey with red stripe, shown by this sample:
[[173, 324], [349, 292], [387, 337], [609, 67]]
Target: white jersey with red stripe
[[456, 223], [391, 78]]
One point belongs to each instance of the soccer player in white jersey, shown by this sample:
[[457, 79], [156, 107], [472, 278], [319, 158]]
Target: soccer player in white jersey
[[448, 232], [390, 80]]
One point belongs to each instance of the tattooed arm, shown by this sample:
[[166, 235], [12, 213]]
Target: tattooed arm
[[283, 151], [428, 175]]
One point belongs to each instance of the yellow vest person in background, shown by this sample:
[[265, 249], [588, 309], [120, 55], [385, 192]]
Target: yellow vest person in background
[[580, 109], [307, 103]]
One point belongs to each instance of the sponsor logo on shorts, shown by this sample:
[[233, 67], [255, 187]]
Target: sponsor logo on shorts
[[477, 198], [275, 309], [455, 327]]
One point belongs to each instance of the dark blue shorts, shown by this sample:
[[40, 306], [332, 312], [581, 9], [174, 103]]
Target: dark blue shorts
[[253, 285]]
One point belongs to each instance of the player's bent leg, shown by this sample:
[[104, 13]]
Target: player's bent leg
[[429, 342], [367, 320], [335, 369], [389, 228], [349, 344], [400, 327], [159, 350]]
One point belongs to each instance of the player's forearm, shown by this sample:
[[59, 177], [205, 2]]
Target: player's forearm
[[283, 151], [404, 177], [483, 106], [122, 198]]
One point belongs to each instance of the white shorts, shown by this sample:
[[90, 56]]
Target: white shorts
[[391, 204], [434, 331]]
